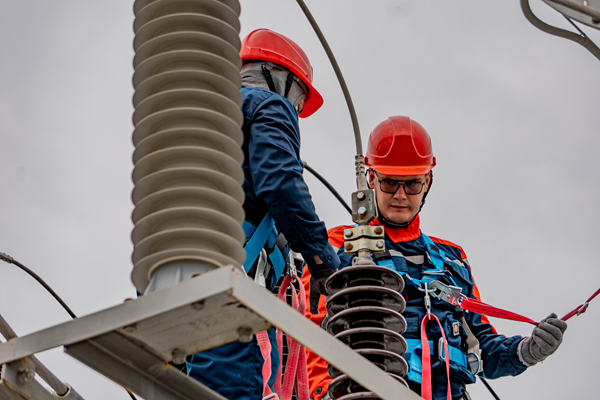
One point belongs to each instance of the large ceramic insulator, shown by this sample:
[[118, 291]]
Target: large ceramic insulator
[[364, 311], [188, 177]]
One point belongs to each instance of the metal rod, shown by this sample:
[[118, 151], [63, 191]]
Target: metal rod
[[59, 387], [582, 40]]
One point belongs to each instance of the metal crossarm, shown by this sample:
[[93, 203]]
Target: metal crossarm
[[132, 343]]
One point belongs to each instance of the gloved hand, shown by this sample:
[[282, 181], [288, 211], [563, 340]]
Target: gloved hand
[[544, 341], [317, 287]]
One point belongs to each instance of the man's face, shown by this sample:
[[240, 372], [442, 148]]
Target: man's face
[[398, 207]]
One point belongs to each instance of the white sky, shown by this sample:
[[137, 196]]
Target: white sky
[[513, 113]]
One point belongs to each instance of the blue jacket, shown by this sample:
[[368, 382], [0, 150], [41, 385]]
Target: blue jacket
[[407, 251], [273, 172], [273, 184]]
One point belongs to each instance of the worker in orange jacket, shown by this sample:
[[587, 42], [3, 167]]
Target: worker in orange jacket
[[400, 158]]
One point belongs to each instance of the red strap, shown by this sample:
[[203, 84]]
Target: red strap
[[426, 360], [485, 309], [295, 369], [265, 349]]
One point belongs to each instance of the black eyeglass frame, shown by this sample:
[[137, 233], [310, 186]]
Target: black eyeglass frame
[[400, 183]]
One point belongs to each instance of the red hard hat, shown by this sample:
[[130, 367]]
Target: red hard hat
[[400, 146], [266, 45]]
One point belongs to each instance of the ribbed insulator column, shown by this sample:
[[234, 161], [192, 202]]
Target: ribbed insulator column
[[363, 311], [188, 178]]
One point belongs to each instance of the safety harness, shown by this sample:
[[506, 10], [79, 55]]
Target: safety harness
[[431, 286], [265, 236], [260, 239], [420, 368]]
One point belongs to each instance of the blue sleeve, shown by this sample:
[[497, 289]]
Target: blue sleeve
[[499, 353], [276, 171]]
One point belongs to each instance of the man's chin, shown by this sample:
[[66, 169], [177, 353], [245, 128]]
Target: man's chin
[[398, 218]]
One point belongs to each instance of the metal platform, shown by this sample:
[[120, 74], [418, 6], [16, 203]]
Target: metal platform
[[134, 342]]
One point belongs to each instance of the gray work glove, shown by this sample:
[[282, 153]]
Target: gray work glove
[[317, 287], [544, 341]]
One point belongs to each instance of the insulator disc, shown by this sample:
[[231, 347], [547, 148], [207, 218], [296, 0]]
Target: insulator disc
[[183, 22], [161, 8], [141, 274], [184, 177], [195, 157], [188, 196], [365, 317], [187, 217], [188, 79], [189, 238], [188, 98], [365, 296], [372, 275], [140, 4], [391, 363], [189, 137], [177, 60], [343, 385], [187, 118], [198, 41], [373, 338]]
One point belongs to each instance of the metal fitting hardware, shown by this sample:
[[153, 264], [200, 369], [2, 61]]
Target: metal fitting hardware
[[363, 207], [364, 237], [447, 293]]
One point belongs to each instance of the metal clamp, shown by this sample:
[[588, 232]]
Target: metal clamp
[[449, 294]]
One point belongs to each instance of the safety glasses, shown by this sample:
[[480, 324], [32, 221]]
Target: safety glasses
[[391, 186]]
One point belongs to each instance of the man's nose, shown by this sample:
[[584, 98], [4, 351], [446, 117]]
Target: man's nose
[[400, 193]]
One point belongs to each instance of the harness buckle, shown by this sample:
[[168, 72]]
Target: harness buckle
[[272, 395], [474, 362], [441, 353], [261, 267], [447, 293]]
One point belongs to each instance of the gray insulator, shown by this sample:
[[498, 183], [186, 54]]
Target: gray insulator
[[188, 195]]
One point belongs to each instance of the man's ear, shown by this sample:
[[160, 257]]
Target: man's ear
[[428, 180], [371, 179]]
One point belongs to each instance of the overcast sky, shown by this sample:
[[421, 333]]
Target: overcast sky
[[513, 113]]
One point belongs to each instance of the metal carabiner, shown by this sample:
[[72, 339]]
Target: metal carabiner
[[427, 301]]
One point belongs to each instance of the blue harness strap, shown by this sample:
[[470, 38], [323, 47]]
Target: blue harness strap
[[437, 257], [265, 234], [414, 361]]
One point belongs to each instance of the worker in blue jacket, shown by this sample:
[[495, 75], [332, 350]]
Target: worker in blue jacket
[[400, 158], [277, 88]]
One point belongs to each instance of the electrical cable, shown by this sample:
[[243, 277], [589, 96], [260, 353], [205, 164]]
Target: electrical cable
[[487, 385], [8, 259], [359, 160], [329, 186]]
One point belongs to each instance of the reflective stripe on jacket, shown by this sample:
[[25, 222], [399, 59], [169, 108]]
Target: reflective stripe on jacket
[[408, 252]]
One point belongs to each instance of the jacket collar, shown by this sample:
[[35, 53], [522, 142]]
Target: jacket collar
[[397, 235]]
